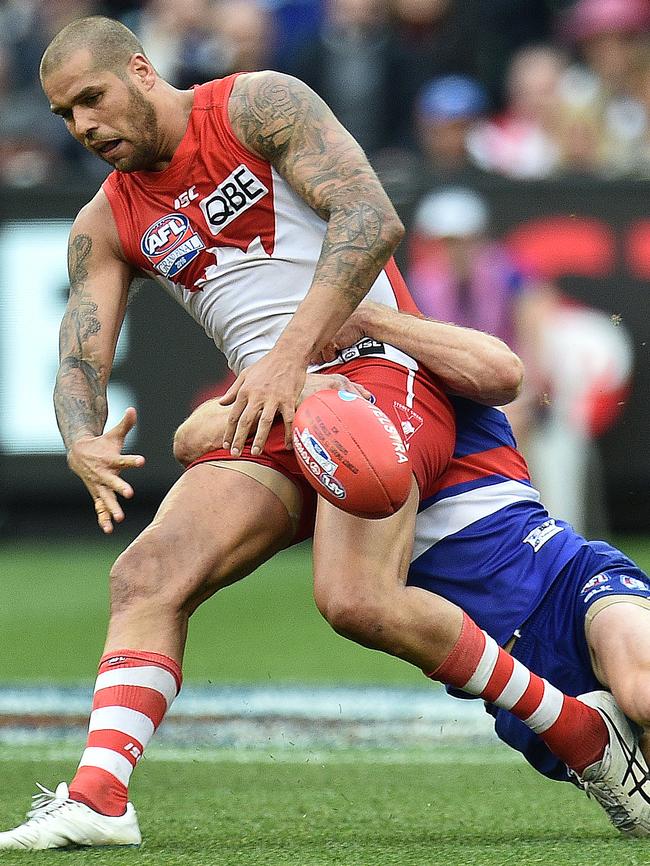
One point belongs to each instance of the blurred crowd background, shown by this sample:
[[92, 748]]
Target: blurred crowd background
[[521, 88], [469, 110]]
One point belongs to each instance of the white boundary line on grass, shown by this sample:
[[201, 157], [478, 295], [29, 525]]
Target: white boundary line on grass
[[474, 755], [283, 720]]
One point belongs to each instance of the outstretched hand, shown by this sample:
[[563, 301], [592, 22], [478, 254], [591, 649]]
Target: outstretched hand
[[98, 461], [269, 387]]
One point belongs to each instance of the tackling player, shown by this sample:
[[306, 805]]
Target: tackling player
[[258, 212], [576, 612]]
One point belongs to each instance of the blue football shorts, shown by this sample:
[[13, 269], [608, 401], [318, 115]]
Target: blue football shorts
[[553, 642]]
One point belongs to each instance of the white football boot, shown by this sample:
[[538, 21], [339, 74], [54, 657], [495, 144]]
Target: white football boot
[[620, 781], [56, 821]]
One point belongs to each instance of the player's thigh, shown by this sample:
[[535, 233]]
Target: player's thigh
[[358, 561], [214, 526], [619, 641]]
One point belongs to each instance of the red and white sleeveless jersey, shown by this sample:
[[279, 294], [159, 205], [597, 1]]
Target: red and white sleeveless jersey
[[228, 238]]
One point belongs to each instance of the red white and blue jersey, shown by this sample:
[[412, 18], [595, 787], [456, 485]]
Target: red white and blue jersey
[[484, 540], [229, 239]]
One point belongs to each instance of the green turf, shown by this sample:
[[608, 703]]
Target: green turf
[[265, 629], [365, 814]]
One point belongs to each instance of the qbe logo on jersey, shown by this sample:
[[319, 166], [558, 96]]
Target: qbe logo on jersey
[[234, 195], [170, 244]]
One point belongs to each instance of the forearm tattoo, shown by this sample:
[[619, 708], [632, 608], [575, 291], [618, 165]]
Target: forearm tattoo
[[280, 118], [80, 390]]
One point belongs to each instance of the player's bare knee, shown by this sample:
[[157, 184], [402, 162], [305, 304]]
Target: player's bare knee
[[201, 432], [184, 446], [144, 576], [132, 578], [632, 694], [355, 616]]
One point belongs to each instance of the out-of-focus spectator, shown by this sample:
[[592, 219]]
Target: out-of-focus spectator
[[245, 33], [24, 161], [457, 272], [524, 140], [30, 27], [180, 41], [32, 141], [506, 26], [296, 23], [607, 33], [641, 90], [447, 111], [602, 113], [433, 38], [349, 62], [578, 363]]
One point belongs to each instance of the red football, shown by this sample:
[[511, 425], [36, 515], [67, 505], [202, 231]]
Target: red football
[[351, 453]]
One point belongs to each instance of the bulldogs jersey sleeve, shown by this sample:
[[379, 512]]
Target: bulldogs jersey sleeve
[[483, 540]]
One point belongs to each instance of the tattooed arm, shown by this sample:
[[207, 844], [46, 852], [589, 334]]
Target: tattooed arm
[[283, 121], [99, 282]]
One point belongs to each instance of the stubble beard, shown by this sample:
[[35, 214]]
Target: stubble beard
[[144, 143]]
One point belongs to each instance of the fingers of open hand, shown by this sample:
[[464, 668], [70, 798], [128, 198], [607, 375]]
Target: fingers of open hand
[[232, 392], [104, 491], [336, 381], [264, 424], [354, 388], [245, 422], [129, 461], [107, 509], [327, 353], [233, 422], [127, 423]]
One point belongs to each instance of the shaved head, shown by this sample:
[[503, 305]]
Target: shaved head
[[111, 45]]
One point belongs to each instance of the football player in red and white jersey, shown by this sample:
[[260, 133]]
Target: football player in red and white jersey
[[251, 205]]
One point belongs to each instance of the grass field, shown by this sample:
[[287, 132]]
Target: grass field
[[264, 629], [450, 806], [352, 814]]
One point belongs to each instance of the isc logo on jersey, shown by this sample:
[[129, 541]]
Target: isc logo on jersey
[[170, 244], [234, 195]]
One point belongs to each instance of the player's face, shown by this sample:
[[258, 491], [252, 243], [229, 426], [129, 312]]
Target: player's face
[[109, 115]]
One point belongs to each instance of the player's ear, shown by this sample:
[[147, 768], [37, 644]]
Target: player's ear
[[141, 69]]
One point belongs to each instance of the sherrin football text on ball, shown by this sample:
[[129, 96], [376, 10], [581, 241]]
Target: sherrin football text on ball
[[352, 454]]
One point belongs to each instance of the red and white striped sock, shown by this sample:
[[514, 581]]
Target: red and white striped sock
[[133, 692], [574, 732]]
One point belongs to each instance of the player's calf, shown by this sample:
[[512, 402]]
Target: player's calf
[[618, 635], [573, 731]]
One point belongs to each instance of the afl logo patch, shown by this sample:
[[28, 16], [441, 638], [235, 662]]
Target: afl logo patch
[[170, 244]]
